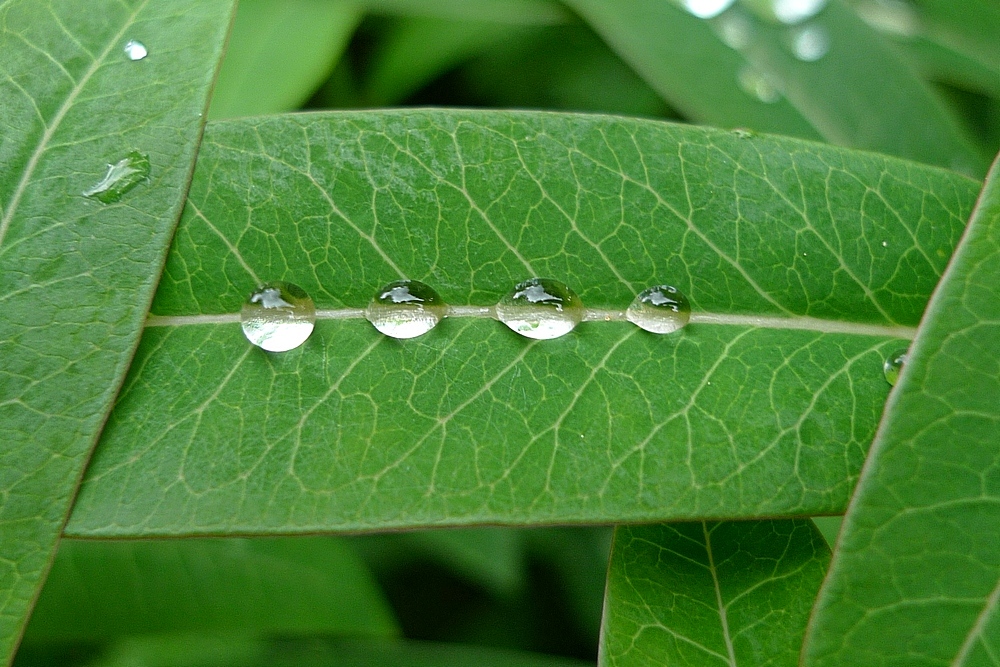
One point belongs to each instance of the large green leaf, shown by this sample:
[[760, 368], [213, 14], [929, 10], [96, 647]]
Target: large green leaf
[[831, 93], [264, 586], [916, 579], [279, 53], [727, 594], [765, 404], [76, 274]]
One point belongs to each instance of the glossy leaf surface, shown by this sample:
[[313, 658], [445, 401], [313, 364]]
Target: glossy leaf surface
[[726, 594], [76, 274], [916, 579], [472, 423]]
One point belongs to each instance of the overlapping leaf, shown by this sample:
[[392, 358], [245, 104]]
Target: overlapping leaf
[[472, 423], [916, 579], [76, 275], [727, 594]]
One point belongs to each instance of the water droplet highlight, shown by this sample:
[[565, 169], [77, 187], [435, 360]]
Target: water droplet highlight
[[405, 309], [893, 365], [661, 309], [756, 83], [895, 17], [135, 50], [791, 12], [278, 316], [121, 177], [706, 9], [810, 43], [735, 29], [540, 308]]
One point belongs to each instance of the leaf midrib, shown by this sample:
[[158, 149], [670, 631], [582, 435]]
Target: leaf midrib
[[592, 315]]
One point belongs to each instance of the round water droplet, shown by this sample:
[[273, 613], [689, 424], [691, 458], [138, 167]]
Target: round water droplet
[[796, 11], [278, 316], [661, 309], [758, 84], [135, 50], [405, 309], [893, 365], [810, 43], [706, 9], [541, 308]]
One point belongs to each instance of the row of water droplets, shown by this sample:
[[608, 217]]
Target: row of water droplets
[[280, 316]]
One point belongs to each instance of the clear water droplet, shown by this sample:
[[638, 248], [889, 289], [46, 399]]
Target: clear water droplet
[[405, 309], [121, 177], [796, 11], [706, 9], [885, 244], [661, 309], [810, 43], [135, 50], [760, 85], [893, 365], [278, 316], [540, 308], [743, 133]]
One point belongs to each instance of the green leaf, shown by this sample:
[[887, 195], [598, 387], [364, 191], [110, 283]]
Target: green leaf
[[835, 96], [520, 12], [730, 593], [779, 376], [279, 52], [916, 579], [188, 651], [302, 585], [415, 50], [77, 275], [680, 56]]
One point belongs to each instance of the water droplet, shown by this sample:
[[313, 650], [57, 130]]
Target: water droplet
[[278, 316], [796, 11], [540, 308], [885, 244], [743, 133], [661, 309], [760, 85], [810, 43], [735, 29], [893, 365], [135, 50], [706, 9], [405, 309], [121, 177]]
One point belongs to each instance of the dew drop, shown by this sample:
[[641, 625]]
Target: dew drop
[[735, 29], [540, 308], [278, 316], [810, 43], [706, 9], [135, 50], [758, 84], [405, 309], [893, 365], [791, 12], [661, 309], [121, 177], [743, 133]]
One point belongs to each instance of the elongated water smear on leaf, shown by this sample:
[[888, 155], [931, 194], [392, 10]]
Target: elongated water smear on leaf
[[121, 177]]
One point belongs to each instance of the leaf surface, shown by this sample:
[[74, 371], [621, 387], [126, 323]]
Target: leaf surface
[[763, 405], [728, 594], [916, 579], [77, 275], [99, 590]]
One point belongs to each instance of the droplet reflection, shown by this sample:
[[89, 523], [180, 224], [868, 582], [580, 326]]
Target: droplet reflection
[[278, 316], [661, 309], [540, 308], [706, 9], [893, 366], [121, 177], [810, 43], [405, 309]]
